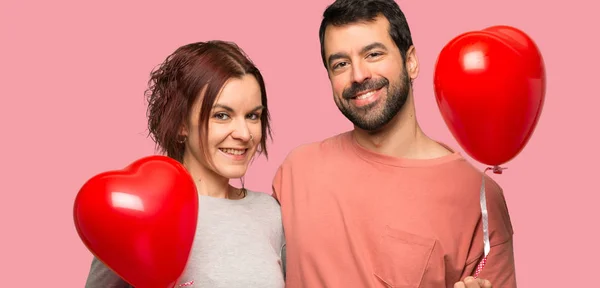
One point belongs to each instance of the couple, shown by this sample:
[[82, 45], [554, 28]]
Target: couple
[[382, 205]]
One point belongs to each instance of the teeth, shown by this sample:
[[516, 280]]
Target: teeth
[[234, 151], [365, 96]]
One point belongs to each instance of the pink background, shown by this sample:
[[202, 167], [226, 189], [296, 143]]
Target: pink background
[[72, 82]]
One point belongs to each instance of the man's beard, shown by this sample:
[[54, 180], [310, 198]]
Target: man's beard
[[371, 118]]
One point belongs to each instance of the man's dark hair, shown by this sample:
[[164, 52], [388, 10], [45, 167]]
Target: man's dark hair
[[343, 12]]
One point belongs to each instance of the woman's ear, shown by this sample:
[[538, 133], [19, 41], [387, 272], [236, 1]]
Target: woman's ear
[[183, 130]]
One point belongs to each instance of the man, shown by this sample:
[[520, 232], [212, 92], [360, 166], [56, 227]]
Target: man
[[384, 205]]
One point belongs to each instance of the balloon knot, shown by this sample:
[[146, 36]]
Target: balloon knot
[[497, 169]]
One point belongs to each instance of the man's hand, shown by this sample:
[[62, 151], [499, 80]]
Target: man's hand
[[471, 282]]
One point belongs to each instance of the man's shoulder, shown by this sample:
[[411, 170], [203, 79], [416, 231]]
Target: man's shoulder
[[462, 170], [466, 172], [469, 170], [315, 150]]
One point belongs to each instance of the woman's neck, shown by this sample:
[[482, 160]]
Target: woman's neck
[[207, 182]]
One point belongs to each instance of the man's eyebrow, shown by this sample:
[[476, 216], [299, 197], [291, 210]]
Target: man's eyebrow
[[364, 50], [373, 46]]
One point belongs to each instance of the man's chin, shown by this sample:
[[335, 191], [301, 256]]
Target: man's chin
[[370, 124]]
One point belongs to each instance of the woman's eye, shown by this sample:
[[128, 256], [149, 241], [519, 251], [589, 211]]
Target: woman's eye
[[254, 116], [221, 116]]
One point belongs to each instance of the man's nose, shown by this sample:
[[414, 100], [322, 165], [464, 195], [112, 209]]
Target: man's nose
[[360, 72]]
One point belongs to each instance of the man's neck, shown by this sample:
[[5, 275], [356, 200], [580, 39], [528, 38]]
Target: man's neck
[[402, 137]]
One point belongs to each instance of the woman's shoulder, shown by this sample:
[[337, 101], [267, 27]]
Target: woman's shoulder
[[262, 197], [265, 205]]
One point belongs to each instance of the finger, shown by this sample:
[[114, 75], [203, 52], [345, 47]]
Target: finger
[[485, 283], [471, 282], [459, 285]]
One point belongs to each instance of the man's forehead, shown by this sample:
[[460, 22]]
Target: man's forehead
[[355, 36]]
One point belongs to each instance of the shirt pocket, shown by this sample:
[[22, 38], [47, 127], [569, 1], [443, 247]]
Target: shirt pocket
[[402, 258]]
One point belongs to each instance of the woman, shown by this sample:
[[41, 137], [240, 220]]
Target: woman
[[208, 110]]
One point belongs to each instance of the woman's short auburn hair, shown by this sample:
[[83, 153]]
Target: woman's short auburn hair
[[176, 84]]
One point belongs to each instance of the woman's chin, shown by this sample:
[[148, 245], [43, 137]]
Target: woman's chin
[[232, 171]]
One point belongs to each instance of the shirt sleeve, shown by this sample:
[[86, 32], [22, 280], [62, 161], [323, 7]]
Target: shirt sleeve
[[283, 246], [282, 181], [499, 268], [500, 263], [101, 276], [276, 185], [283, 257]]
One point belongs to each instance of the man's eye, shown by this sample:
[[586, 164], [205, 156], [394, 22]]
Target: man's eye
[[339, 65]]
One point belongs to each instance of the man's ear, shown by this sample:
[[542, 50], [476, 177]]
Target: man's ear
[[412, 63]]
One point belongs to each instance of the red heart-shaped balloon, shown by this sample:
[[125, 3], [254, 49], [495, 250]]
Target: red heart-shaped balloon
[[140, 221], [490, 88]]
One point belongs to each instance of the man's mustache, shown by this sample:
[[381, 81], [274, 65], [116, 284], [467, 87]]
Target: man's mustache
[[369, 84]]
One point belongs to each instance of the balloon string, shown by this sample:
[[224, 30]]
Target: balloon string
[[484, 218]]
